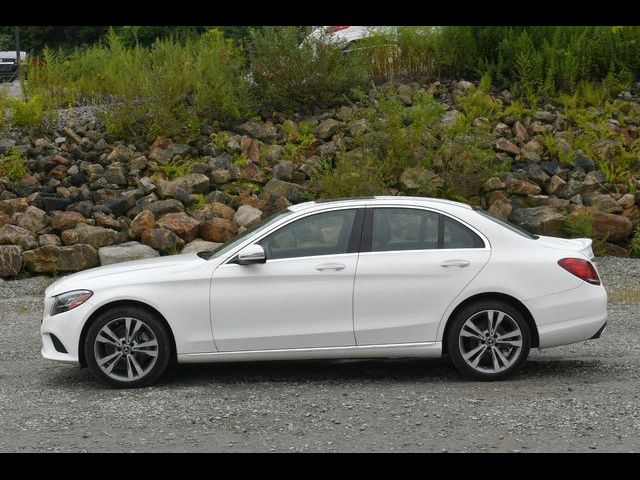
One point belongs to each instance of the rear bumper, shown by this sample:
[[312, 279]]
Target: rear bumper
[[573, 316], [599, 333]]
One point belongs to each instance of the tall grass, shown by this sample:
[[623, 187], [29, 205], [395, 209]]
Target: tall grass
[[170, 88], [537, 60], [289, 75], [178, 83]]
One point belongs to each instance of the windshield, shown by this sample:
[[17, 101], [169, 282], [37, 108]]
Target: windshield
[[514, 228], [238, 239]]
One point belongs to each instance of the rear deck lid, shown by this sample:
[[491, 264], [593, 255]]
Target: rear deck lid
[[579, 245]]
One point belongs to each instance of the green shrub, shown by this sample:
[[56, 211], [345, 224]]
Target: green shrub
[[353, 175], [401, 137], [170, 88], [13, 165], [289, 76], [578, 226], [28, 113], [175, 168], [477, 102], [200, 201]]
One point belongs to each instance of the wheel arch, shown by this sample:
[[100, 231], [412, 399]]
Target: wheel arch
[[535, 338], [121, 303]]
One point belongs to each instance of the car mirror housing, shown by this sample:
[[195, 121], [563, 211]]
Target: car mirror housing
[[252, 254]]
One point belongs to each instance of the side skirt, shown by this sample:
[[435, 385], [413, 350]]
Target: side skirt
[[425, 350]]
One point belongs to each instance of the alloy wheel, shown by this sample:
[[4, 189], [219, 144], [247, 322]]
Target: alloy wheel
[[126, 349], [490, 341]]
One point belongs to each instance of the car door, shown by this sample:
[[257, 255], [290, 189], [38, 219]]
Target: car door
[[412, 264], [301, 297]]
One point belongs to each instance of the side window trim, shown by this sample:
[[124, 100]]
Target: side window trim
[[367, 230], [440, 231], [355, 239]]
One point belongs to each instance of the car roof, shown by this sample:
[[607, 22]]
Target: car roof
[[378, 200], [12, 54]]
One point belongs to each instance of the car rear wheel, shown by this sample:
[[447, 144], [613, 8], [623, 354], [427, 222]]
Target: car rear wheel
[[127, 347], [489, 340]]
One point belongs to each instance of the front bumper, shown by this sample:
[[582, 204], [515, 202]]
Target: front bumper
[[67, 328], [573, 316]]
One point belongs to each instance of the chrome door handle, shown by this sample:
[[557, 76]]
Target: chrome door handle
[[455, 263], [330, 266]]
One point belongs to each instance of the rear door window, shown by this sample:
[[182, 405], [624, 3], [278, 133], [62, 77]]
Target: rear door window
[[397, 229]]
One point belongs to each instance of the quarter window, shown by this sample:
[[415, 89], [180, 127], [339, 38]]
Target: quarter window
[[457, 235], [325, 233]]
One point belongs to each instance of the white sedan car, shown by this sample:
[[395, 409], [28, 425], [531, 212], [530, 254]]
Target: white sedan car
[[354, 278]]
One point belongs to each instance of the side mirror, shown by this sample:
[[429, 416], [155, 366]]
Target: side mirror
[[252, 254]]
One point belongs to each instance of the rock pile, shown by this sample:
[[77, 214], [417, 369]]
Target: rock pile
[[92, 199]]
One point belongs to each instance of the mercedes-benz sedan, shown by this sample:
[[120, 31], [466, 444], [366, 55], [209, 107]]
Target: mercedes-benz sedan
[[355, 278]]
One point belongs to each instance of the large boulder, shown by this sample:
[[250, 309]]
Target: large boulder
[[193, 183], [120, 153], [65, 220], [419, 179], [168, 190], [213, 210], [545, 220], [200, 245], [181, 224], [125, 252], [493, 183], [4, 219], [264, 131], [145, 220], [163, 150], [61, 259], [95, 236], [274, 189], [520, 186], [504, 145], [555, 185], [218, 230], [603, 203], [158, 208], [10, 260], [14, 235], [250, 148], [49, 239], [247, 215], [33, 219], [163, 240], [326, 129], [501, 209], [613, 228], [13, 205]]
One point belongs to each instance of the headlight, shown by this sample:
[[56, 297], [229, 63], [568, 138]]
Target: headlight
[[70, 300]]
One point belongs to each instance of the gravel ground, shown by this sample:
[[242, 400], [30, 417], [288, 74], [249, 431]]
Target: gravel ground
[[582, 397], [12, 89]]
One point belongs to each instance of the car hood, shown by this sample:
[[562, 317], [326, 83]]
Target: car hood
[[579, 245], [127, 272]]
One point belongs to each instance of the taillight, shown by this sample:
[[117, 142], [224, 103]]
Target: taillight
[[580, 268], [336, 29]]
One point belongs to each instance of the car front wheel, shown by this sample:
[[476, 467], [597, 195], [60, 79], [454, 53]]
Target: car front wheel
[[489, 340], [127, 347]]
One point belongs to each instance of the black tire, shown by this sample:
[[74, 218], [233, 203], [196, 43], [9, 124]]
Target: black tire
[[476, 311], [150, 322]]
